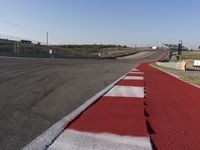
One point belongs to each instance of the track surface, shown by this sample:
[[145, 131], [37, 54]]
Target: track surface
[[174, 109], [118, 114], [36, 93]]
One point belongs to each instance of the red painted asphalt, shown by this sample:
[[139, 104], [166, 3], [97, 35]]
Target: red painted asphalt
[[117, 115], [174, 110], [134, 74]]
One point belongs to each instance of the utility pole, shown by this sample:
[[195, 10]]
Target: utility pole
[[16, 49], [47, 38]]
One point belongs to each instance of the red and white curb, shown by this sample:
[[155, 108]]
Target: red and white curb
[[113, 119], [75, 140]]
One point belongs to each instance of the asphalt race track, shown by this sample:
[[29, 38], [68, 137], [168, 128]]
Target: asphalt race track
[[36, 93]]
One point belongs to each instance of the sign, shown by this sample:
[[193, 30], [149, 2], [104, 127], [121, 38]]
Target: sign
[[50, 52], [154, 47], [197, 63]]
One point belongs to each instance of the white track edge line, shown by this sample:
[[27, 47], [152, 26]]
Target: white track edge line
[[73, 140]]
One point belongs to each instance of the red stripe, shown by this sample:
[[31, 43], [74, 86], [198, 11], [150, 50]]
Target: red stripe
[[139, 83], [122, 116], [135, 71], [132, 74]]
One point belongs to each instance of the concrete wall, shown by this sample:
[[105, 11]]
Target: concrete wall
[[173, 65]]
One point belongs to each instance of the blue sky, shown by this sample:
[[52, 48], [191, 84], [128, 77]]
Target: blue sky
[[126, 22]]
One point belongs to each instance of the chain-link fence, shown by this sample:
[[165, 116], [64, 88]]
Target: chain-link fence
[[11, 46], [24, 48]]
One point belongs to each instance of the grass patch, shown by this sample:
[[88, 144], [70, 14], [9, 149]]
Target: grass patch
[[191, 55], [195, 78]]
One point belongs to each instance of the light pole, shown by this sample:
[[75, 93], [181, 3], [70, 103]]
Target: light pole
[[180, 46], [47, 38]]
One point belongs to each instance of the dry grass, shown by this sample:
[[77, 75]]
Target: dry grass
[[191, 55], [195, 78]]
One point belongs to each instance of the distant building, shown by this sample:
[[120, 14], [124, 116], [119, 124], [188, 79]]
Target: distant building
[[26, 42], [154, 47]]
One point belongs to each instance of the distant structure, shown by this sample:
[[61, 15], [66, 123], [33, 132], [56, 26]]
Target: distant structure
[[173, 47], [155, 47], [12, 39], [13, 44], [26, 42]]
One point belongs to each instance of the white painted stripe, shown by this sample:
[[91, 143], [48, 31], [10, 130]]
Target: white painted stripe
[[76, 140], [134, 69], [136, 72], [126, 91], [133, 78]]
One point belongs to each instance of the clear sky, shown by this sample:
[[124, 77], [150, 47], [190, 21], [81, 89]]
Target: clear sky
[[127, 22]]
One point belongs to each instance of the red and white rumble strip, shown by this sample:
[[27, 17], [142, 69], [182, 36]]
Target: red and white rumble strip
[[126, 91], [116, 120], [75, 140]]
